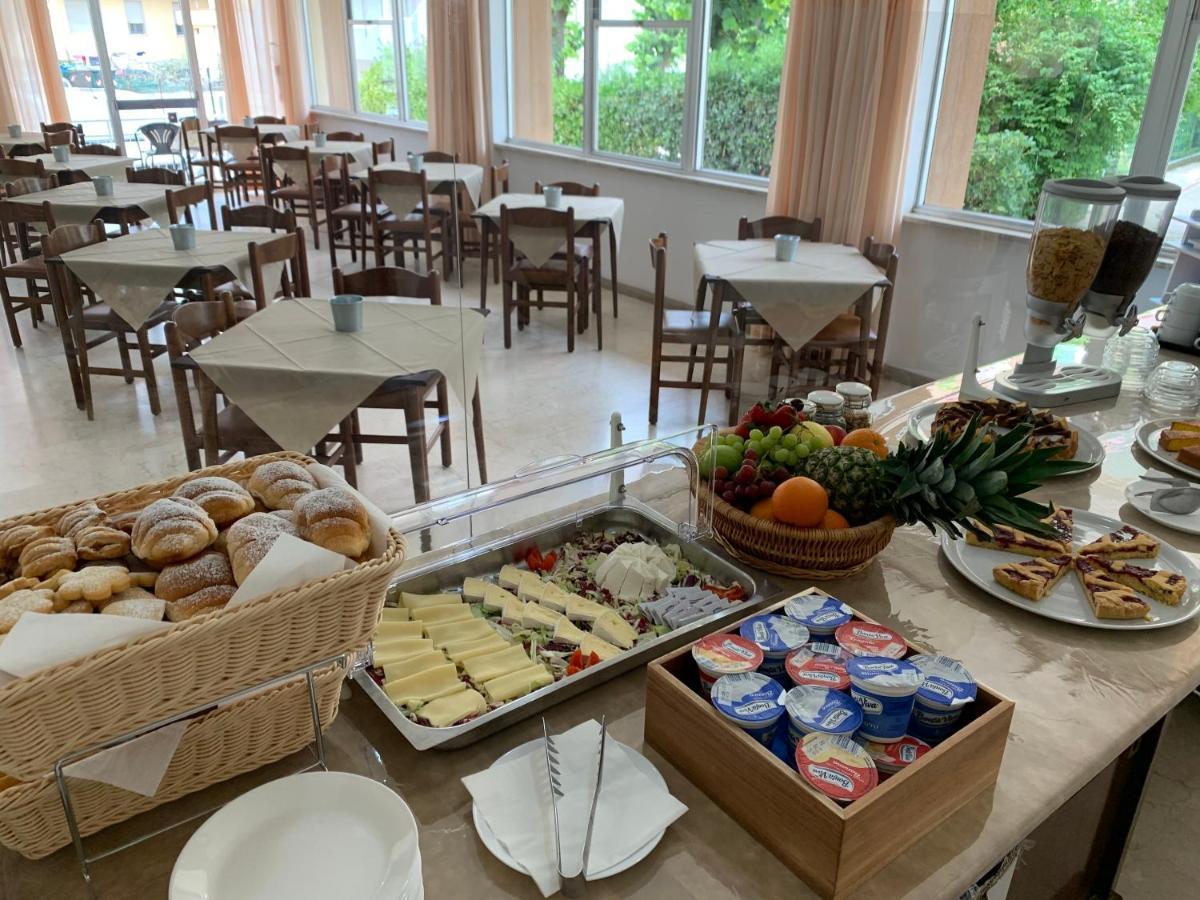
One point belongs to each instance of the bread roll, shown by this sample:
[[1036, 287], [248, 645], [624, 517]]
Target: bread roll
[[196, 585], [224, 500], [335, 519], [280, 483], [249, 539], [100, 541], [171, 530]]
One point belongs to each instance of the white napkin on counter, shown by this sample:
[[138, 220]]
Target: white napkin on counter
[[514, 799]]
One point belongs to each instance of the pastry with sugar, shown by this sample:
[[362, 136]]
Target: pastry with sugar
[[14, 540], [75, 520], [96, 584], [171, 530], [196, 585], [17, 604], [224, 500], [44, 555], [100, 541], [280, 483], [335, 519], [249, 539]]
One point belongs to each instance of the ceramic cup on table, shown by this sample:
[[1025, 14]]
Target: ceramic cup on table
[[61, 153], [416, 162], [248, 121], [103, 185], [1180, 315], [347, 312], [183, 236], [553, 195], [14, 131], [319, 139], [785, 247]]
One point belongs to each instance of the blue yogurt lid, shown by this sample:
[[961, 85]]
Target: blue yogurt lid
[[885, 675], [749, 697], [818, 612], [823, 709], [947, 682], [774, 634]]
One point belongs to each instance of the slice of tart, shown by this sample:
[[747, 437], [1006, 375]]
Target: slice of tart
[[1014, 540], [1033, 579], [1165, 587], [1109, 599], [1124, 543], [1062, 521]]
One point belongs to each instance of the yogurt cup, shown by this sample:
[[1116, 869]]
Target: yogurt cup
[[820, 613], [868, 639], [896, 756], [947, 688], [886, 690], [836, 766], [752, 701], [819, 665], [776, 636], [724, 654], [820, 710]]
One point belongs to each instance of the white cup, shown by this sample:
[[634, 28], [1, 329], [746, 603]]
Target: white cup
[[248, 121], [183, 236], [103, 185], [319, 139], [553, 194], [61, 153], [785, 247], [14, 131], [1185, 298]]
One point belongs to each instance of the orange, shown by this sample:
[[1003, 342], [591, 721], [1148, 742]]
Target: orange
[[834, 521], [762, 509], [800, 501], [865, 437]]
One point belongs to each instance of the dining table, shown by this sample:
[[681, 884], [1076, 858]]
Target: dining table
[[7, 141], [438, 176], [361, 153], [78, 204], [91, 164], [285, 131]]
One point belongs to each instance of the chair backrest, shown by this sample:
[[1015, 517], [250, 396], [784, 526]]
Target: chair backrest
[[22, 215], [289, 249], [570, 188], [439, 156], [30, 185], [296, 163], [154, 175], [52, 131], [539, 218], [190, 325], [184, 198], [270, 120], [390, 281], [885, 256], [379, 148], [500, 178], [658, 262], [72, 176], [769, 226], [20, 168], [17, 150], [239, 141], [66, 238], [402, 188], [345, 136], [98, 150], [258, 215], [161, 136]]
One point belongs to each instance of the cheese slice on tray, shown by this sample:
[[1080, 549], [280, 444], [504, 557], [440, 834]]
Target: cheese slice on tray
[[494, 597], [386, 630], [448, 710], [473, 588], [513, 612], [493, 665], [425, 686], [602, 648], [395, 650], [435, 615], [537, 616], [580, 609], [554, 597], [460, 651], [517, 684], [510, 576], [568, 632], [394, 614], [411, 665], [449, 632], [416, 601], [530, 586], [612, 628]]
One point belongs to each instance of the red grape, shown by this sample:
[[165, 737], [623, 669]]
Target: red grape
[[719, 485], [729, 496], [720, 473], [767, 489], [750, 455]]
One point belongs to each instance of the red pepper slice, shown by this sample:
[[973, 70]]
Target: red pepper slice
[[548, 561], [533, 559]]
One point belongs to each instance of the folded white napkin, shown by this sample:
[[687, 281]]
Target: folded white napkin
[[514, 799]]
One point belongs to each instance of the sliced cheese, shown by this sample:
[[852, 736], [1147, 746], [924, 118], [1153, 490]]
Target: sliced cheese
[[493, 665], [385, 630], [513, 612], [453, 708], [612, 628], [580, 609], [461, 651], [412, 703], [424, 686], [416, 601], [602, 648], [411, 665], [447, 633], [539, 616], [517, 684], [436, 615], [394, 614], [568, 632], [395, 650], [494, 597], [554, 597], [530, 586], [474, 588], [510, 576]]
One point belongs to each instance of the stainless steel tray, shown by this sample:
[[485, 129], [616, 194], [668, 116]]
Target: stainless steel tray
[[496, 550]]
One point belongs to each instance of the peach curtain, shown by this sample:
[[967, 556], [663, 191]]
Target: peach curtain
[[22, 92], [261, 53], [845, 105], [42, 35], [459, 111]]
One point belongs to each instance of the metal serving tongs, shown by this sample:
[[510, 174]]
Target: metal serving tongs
[[574, 883]]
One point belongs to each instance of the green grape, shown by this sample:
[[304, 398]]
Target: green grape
[[768, 443], [802, 452], [790, 441], [756, 434], [781, 455], [776, 432], [754, 445]]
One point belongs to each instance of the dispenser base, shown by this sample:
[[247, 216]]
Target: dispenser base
[[1070, 384]]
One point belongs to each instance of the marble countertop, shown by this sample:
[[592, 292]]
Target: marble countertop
[[1082, 696]]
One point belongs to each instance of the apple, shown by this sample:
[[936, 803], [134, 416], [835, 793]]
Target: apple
[[837, 433], [819, 436]]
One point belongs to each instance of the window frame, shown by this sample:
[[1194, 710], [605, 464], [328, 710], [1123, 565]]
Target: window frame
[[399, 52], [136, 25]]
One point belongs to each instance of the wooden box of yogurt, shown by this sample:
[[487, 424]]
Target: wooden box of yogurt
[[833, 847]]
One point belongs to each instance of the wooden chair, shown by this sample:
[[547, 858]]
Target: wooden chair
[[20, 168], [288, 249], [850, 348], [692, 327], [196, 154], [155, 175], [238, 157], [98, 150], [345, 136], [570, 188], [567, 272], [72, 176], [224, 430], [184, 198], [769, 226], [270, 120], [68, 294], [16, 151], [588, 237], [422, 224], [258, 215], [379, 148], [291, 179], [20, 224], [53, 134], [439, 156], [346, 214], [499, 185]]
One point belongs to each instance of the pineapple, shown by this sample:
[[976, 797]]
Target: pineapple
[[945, 482]]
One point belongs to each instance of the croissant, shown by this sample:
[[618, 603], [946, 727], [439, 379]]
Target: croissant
[[280, 483], [171, 530], [224, 500], [249, 539], [196, 585], [335, 519]]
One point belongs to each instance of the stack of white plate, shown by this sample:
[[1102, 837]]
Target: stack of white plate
[[316, 835]]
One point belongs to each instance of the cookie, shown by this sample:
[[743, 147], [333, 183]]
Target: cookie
[[95, 584], [17, 584], [135, 603], [16, 604], [85, 516], [78, 606]]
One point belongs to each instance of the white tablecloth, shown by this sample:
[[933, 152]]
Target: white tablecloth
[[27, 137], [78, 204], [540, 244], [134, 273], [469, 176], [90, 163], [360, 151], [296, 376], [797, 298]]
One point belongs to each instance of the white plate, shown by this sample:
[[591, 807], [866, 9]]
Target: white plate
[[497, 849], [1190, 524], [1147, 439], [1066, 603], [1090, 450], [316, 835]]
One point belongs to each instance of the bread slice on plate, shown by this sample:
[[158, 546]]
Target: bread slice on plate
[[1185, 425], [1165, 587], [1033, 579], [1190, 456], [1014, 540], [1175, 439], [1109, 599], [1124, 543]]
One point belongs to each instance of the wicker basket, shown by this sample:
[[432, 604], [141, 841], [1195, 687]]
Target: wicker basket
[[219, 745], [113, 691]]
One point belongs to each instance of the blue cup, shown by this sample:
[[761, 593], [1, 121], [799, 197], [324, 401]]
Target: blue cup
[[319, 139], [14, 131], [347, 312], [785, 247], [248, 121], [183, 236], [416, 162], [61, 153], [103, 185], [553, 195]]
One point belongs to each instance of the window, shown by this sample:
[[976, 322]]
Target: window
[[135, 16], [1054, 90], [623, 78], [79, 17]]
